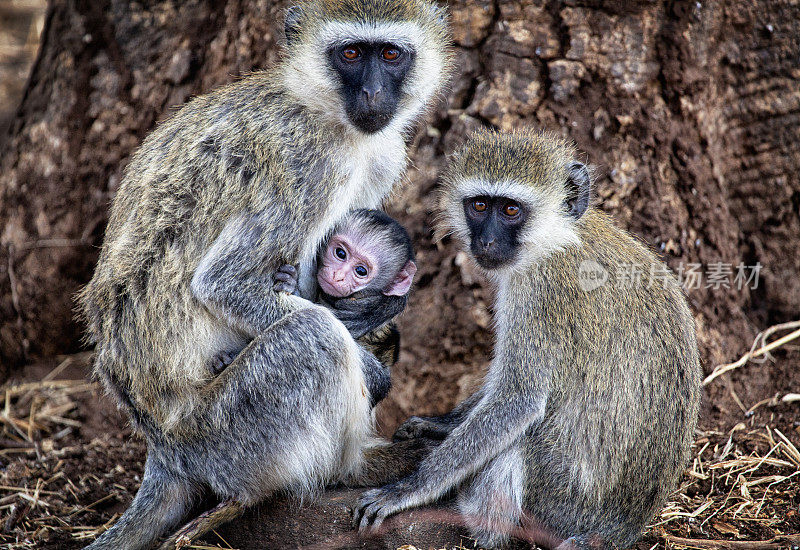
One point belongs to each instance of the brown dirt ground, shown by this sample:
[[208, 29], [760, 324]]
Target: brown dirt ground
[[69, 463]]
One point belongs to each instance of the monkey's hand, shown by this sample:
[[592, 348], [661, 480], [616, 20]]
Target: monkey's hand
[[418, 426], [285, 280], [376, 505]]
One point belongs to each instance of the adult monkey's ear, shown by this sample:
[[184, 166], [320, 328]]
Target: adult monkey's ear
[[291, 26], [579, 189]]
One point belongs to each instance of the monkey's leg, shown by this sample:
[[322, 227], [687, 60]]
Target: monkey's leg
[[491, 503], [222, 513], [291, 412], [161, 502]]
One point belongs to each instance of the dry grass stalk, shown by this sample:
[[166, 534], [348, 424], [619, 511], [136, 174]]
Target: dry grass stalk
[[764, 350]]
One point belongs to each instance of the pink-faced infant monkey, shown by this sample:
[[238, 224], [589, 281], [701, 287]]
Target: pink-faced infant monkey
[[364, 273]]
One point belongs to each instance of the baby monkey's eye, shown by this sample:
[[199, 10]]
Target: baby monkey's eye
[[340, 253], [479, 206], [361, 271], [511, 210]]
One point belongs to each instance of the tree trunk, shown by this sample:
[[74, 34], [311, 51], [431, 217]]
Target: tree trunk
[[689, 111]]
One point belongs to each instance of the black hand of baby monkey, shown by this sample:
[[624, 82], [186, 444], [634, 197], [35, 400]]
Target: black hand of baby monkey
[[362, 313], [285, 279]]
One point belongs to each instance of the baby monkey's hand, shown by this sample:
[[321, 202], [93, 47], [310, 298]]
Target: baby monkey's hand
[[285, 280]]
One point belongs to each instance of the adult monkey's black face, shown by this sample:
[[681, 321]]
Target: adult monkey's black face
[[495, 224], [372, 76]]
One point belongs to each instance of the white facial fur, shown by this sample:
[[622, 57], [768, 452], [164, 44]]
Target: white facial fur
[[549, 228], [316, 85]]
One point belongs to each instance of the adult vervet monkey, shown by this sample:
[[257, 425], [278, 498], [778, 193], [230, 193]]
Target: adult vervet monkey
[[236, 184], [585, 419]]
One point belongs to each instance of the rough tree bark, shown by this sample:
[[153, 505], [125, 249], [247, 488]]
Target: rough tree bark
[[688, 109]]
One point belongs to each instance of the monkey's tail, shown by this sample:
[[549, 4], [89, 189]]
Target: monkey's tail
[[160, 504]]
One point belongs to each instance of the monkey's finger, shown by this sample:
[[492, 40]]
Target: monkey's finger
[[288, 270], [283, 287], [380, 515], [358, 511], [284, 277], [368, 515], [365, 520]]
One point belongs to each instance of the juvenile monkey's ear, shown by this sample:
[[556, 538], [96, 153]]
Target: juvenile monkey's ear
[[291, 26], [579, 189], [402, 282]]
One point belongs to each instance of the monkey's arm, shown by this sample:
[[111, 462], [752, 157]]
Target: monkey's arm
[[234, 278], [512, 402], [362, 313]]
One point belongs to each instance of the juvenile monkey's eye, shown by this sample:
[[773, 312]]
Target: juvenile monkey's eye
[[390, 54], [340, 253], [351, 53], [511, 210], [361, 271], [479, 206]]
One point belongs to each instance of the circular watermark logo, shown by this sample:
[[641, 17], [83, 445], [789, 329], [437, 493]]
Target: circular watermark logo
[[591, 275]]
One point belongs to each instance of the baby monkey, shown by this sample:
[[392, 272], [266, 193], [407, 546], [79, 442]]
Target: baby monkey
[[364, 275]]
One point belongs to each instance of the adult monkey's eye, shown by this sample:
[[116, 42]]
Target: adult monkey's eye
[[340, 253], [351, 53], [361, 271], [390, 54], [511, 210], [479, 206]]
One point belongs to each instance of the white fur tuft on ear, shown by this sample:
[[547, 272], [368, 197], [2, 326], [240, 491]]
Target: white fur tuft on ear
[[402, 281]]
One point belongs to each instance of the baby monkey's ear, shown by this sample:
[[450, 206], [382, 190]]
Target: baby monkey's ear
[[402, 281]]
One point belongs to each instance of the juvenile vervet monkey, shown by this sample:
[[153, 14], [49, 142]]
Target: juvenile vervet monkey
[[364, 272], [236, 184], [585, 418]]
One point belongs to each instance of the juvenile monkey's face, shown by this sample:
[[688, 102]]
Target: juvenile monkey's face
[[495, 225], [371, 75], [345, 267]]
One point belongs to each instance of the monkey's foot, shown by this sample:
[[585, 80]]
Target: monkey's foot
[[224, 512], [376, 505]]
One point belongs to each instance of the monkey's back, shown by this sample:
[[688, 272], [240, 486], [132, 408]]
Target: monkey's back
[[214, 158], [625, 399]]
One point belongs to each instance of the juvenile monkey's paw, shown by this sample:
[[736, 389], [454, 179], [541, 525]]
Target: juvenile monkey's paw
[[416, 427], [376, 505], [285, 279]]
